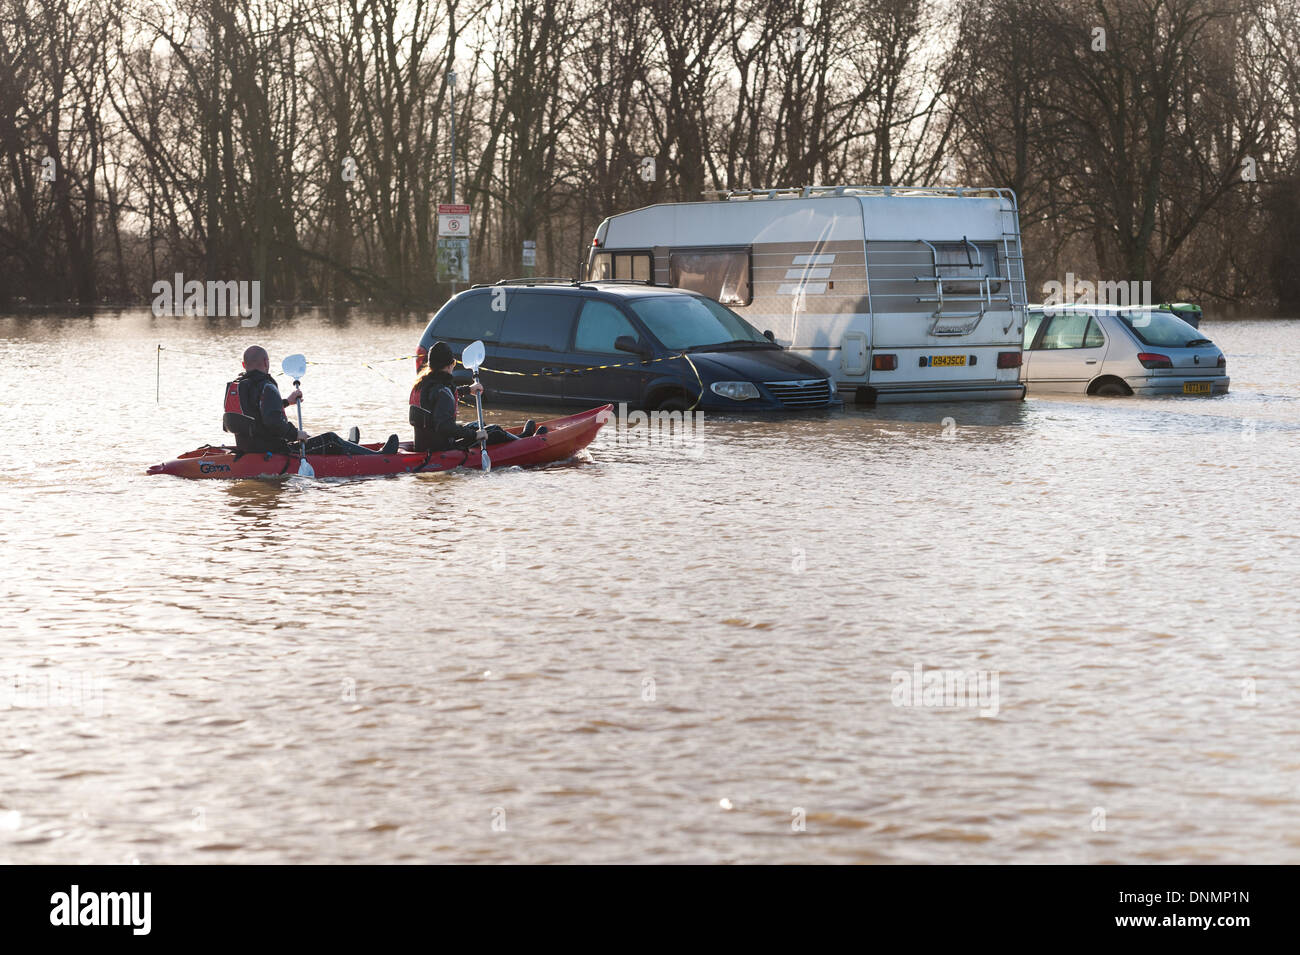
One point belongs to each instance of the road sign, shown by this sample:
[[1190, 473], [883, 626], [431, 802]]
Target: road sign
[[453, 259], [530, 252], [453, 219]]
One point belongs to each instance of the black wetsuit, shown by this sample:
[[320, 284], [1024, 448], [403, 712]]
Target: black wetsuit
[[439, 396]]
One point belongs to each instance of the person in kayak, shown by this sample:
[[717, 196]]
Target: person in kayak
[[255, 398], [434, 398]]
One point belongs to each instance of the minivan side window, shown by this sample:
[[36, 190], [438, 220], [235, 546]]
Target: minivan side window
[[721, 274], [620, 265], [539, 320], [599, 326], [468, 319], [1066, 330]]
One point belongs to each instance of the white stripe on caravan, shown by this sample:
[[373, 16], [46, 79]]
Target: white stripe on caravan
[[808, 273], [807, 288], [820, 259]]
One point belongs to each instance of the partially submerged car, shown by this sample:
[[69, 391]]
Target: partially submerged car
[[1118, 350]]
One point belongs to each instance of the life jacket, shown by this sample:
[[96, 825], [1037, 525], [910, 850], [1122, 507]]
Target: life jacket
[[420, 415], [242, 415]]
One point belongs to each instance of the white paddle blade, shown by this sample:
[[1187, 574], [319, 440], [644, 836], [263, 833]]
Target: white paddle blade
[[473, 356], [485, 461], [305, 469], [295, 366]]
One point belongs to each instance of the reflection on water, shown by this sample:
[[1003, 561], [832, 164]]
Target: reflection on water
[[670, 650]]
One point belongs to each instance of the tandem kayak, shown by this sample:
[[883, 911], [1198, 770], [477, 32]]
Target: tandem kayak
[[564, 437]]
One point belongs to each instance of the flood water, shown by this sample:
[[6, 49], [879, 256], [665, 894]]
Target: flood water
[[673, 650]]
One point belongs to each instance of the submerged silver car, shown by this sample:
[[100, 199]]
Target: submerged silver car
[[1118, 350]]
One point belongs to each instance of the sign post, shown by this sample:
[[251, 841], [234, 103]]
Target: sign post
[[453, 243]]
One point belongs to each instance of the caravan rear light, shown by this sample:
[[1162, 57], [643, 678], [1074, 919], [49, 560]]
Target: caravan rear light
[[1008, 359], [1152, 360], [421, 356], [884, 362], [595, 242]]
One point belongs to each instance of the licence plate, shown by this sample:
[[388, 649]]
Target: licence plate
[[940, 361], [1196, 387]]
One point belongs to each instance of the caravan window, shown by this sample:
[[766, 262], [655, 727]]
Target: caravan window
[[721, 274], [958, 261], [635, 266]]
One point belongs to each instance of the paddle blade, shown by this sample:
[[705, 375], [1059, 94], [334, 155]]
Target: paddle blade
[[485, 461], [473, 356], [295, 366], [305, 469]]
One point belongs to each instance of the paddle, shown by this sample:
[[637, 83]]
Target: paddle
[[295, 366], [472, 358]]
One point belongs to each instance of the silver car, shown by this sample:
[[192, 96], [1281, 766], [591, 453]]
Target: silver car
[[1112, 350]]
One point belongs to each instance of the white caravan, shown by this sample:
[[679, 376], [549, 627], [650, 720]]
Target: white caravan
[[901, 294]]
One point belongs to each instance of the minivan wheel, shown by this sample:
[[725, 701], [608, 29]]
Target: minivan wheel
[[1111, 389]]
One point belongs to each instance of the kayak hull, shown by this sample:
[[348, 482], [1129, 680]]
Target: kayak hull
[[564, 437]]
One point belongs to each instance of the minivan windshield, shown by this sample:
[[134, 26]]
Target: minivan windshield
[[1161, 329], [691, 323]]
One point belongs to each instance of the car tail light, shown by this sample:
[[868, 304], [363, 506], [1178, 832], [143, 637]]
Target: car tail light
[[1152, 360], [421, 356], [1008, 359], [884, 362], [1222, 362]]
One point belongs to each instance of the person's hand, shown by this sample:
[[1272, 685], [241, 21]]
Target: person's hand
[[303, 436], [295, 396], [476, 388], [482, 435]]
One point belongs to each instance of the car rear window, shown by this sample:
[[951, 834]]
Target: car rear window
[[539, 320], [1160, 329], [468, 319]]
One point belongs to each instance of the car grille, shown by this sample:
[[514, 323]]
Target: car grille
[[813, 393]]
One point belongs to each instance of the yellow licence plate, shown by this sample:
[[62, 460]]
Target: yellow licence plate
[[939, 361], [1196, 387]]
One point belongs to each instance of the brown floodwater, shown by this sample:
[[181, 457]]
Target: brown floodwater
[[675, 649]]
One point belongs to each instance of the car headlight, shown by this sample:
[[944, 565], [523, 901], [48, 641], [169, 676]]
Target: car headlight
[[737, 390]]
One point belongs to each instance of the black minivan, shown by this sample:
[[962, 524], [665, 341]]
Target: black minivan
[[587, 343]]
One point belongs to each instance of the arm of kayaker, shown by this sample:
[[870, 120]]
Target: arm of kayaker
[[273, 416], [295, 396]]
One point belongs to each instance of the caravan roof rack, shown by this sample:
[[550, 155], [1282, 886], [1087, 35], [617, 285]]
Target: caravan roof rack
[[822, 192]]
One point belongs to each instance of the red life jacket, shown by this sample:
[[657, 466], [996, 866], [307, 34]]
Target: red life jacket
[[232, 398]]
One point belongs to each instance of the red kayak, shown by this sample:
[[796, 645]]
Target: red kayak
[[564, 437]]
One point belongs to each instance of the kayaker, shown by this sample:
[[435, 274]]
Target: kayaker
[[255, 395], [434, 398]]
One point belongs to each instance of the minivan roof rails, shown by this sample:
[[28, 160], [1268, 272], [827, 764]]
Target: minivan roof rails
[[539, 280], [818, 192]]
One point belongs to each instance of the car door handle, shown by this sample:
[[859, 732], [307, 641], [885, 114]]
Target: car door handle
[[1091, 361]]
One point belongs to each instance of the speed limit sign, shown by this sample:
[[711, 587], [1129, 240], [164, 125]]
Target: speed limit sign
[[453, 219]]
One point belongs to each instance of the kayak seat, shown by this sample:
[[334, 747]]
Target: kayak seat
[[234, 423], [420, 417]]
